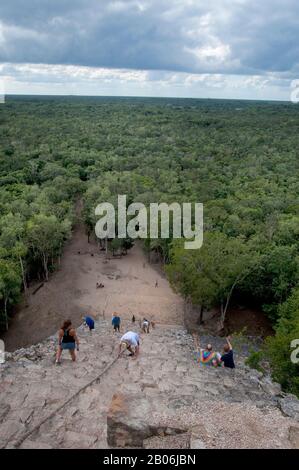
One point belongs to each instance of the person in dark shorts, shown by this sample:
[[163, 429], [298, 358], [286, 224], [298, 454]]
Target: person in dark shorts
[[115, 322], [228, 357], [67, 340], [88, 321]]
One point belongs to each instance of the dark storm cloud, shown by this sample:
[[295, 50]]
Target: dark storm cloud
[[219, 36]]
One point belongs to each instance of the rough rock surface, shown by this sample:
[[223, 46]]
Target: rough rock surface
[[294, 436], [130, 420], [161, 399]]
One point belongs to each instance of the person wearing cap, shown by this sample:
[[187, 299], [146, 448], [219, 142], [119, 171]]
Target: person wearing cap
[[129, 341]]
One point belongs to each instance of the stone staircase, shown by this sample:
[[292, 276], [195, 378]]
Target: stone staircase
[[161, 399]]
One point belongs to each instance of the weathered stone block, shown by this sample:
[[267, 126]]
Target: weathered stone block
[[294, 436], [129, 420], [290, 407]]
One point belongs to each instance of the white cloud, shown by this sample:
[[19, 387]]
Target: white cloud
[[250, 37], [79, 80], [121, 5], [218, 53]]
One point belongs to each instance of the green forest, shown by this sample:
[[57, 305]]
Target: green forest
[[238, 158]]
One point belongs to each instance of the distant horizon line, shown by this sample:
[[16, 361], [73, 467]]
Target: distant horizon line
[[144, 97]]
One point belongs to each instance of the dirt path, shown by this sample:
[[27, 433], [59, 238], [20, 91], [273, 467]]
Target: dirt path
[[71, 292], [129, 289]]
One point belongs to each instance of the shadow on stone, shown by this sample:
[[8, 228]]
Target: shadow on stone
[[130, 421]]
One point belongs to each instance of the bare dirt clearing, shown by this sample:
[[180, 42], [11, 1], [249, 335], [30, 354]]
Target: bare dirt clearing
[[71, 292]]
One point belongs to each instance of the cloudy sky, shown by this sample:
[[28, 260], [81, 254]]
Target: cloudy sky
[[184, 48]]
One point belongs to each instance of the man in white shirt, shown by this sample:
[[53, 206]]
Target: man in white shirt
[[145, 325], [131, 342]]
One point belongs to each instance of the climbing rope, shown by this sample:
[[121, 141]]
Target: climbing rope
[[20, 440], [25, 436]]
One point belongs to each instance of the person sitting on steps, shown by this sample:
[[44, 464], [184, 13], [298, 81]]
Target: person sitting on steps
[[228, 357], [129, 341], [67, 339], [206, 356]]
